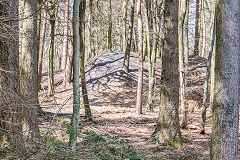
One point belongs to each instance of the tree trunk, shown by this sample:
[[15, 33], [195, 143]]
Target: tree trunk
[[76, 71], [196, 44], [124, 23], [135, 44], [206, 83], [109, 30], [41, 50], [129, 41], [225, 111], [147, 18], [65, 36], [186, 41], [88, 114], [10, 118], [168, 128], [90, 35], [140, 58], [51, 52], [203, 29], [213, 4], [29, 68], [69, 65], [152, 58], [182, 12]]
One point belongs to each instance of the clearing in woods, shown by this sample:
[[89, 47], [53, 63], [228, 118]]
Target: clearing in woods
[[116, 132]]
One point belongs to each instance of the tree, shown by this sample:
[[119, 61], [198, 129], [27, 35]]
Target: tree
[[51, 12], [181, 18], [196, 44], [11, 119], [203, 27], [186, 40], [109, 30], [76, 75], [65, 36], [124, 23], [88, 114], [90, 35], [41, 49], [66, 45], [152, 52], [168, 128], [29, 67], [213, 55], [140, 58], [225, 110], [129, 40], [206, 83]]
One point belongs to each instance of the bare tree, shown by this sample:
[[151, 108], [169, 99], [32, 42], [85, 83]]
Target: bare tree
[[140, 58], [29, 67], [168, 128], [182, 12], [129, 40], [88, 114], [11, 110], [109, 30], [206, 83], [76, 75], [225, 110], [196, 44]]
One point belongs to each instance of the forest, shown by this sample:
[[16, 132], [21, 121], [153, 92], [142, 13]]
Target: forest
[[119, 80]]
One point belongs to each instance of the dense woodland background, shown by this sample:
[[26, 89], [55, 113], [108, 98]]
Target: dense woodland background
[[130, 79]]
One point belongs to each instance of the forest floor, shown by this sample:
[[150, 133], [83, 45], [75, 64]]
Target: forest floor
[[116, 132]]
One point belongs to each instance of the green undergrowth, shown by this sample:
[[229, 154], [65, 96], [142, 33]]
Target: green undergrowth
[[107, 147], [96, 146]]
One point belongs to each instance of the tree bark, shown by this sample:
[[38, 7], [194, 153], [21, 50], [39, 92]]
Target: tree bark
[[66, 53], [109, 30], [41, 50], [186, 41], [140, 58], [225, 111], [88, 114], [124, 23], [213, 4], [181, 18], [203, 29], [206, 83], [152, 57], [29, 68], [51, 51], [168, 128], [129, 41], [90, 35], [196, 44], [76, 75], [11, 119], [65, 35]]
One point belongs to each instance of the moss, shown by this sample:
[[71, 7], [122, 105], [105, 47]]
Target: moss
[[175, 143]]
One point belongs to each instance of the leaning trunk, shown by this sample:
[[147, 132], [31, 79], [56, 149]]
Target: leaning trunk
[[206, 83]]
